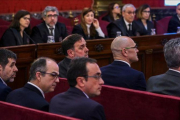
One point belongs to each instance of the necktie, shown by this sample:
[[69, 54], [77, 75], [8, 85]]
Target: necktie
[[130, 27], [51, 31]]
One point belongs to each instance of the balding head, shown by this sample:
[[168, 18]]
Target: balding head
[[123, 48]]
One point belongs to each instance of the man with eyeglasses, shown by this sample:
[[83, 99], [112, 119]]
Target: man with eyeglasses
[[43, 78], [50, 27], [73, 46], [84, 78], [174, 21], [119, 73], [126, 25]]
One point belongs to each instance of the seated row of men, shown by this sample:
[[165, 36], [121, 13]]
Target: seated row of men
[[89, 28], [85, 78]]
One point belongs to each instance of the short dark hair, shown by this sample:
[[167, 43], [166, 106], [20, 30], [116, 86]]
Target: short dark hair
[[15, 23], [110, 8], [5, 54], [69, 41], [172, 53], [77, 68], [39, 65]]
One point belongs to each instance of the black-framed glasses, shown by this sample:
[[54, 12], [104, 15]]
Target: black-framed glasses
[[26, 18], [95, 76], [146, 11], [129, 12], [132, 47], [54, 75], [50, 16]]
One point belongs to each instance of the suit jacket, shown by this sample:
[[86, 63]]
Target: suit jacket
[[4, 91], [78, 29], [28, 96], [40, 32], [142, 30], [63, 67], [74, 103], [107, 18], [173, 24], [167, 83], [121, 75], [12, 37], [119, 25]]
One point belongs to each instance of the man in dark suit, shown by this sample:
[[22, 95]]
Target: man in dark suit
[[8, 71], [168, 83], [73, 46], [119, 73], [125, 25], [50, 27], [44, 74], [84, 77], [174, 21]]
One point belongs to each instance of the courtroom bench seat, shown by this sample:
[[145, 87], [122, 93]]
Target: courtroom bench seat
[[10, 111]]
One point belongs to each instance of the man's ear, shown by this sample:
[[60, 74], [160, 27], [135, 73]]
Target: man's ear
[[38, 76], [1, 68], [70, 53], [80, 81], [124, 52]]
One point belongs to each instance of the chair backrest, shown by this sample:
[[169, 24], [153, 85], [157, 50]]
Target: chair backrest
[[3, 28], [64, 20], [35, 22], [162, 25], [3, 22], [126, 104], [103, 24], [62, 86], [10, 111]]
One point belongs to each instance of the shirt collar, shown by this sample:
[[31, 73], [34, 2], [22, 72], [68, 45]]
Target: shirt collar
[[88, 25], [3, 81], [174, 70], [124, 62], [86, 95], [50, 27], [127, 22], [37, 88]]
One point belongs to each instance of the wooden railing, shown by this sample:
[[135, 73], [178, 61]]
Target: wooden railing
[[151, 59]]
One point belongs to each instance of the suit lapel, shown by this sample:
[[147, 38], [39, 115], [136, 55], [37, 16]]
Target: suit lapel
[[17, 36]]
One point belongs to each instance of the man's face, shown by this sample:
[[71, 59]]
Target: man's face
[[80, 49], [178, 10], [129, 14], [49, 81], [9, 72], [93, 85], [51, 18], [132, 51]]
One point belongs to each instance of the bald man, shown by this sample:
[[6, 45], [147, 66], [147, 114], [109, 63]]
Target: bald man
[[119, 73]]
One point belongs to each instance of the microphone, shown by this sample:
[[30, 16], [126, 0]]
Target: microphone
[[30, 38]]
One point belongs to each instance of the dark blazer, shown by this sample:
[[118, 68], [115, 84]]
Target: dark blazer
[[63, 67], [107, 18], [167, 83], [78, 29], [121, 75], [74, 103], [142, 30], [40, 32], [28, 96], [173, 24], [119, 25], [12, 37], [4, 91]]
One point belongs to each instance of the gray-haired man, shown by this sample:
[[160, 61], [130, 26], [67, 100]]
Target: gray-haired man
[[168, 83], [50, 27]]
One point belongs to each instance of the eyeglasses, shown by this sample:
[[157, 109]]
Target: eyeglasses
[[50, 16], [132, 47], [54, 75], [131, 13], [95, 76], [146, 11], [117, 7], [26, 18]]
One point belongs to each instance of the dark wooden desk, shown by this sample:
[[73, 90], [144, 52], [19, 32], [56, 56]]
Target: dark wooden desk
[[151, 59]]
